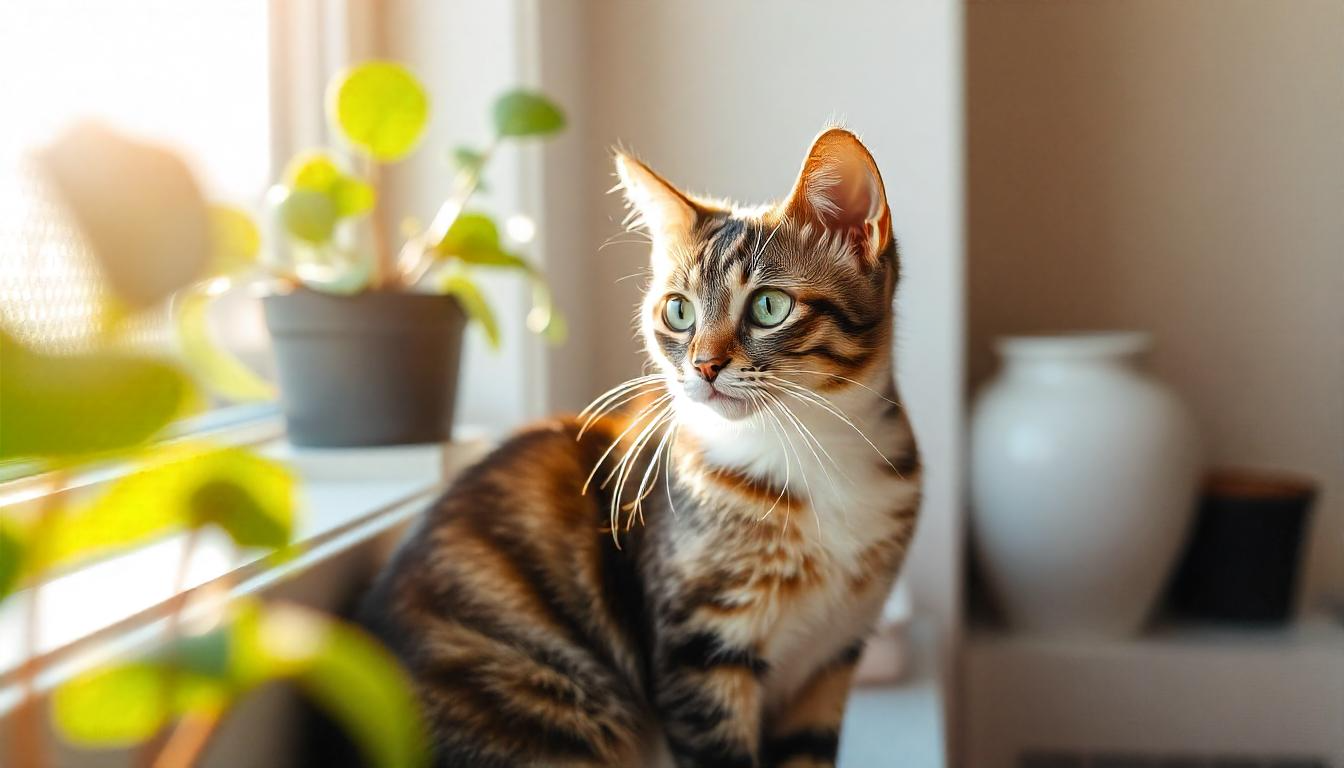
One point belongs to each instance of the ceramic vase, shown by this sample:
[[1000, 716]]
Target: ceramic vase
[[1083, 481]]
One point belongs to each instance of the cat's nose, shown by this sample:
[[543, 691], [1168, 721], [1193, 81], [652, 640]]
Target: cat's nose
[[709, 368]]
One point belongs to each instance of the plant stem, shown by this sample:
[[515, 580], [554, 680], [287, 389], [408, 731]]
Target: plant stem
[[416, 257], [184, 745], [172, 631], [27, 742], [384, 265], [188, 741]]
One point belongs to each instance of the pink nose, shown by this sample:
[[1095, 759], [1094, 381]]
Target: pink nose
[[709, 369]]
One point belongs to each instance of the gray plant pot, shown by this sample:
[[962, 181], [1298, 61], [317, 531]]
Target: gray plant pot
[[370, 369]]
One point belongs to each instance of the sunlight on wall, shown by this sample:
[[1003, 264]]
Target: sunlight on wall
[[192, 75]]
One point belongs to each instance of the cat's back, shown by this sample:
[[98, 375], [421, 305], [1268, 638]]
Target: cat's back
[[510, 605]]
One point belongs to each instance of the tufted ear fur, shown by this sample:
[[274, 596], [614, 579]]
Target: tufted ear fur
[[655, 204], [840, 190]]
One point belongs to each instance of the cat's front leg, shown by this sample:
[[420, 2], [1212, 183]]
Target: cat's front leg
[[708, 692], [805, 732]]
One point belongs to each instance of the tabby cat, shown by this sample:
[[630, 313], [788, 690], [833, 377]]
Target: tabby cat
[[689, 583]]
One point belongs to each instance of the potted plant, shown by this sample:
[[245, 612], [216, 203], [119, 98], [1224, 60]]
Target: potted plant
[[368, 340]]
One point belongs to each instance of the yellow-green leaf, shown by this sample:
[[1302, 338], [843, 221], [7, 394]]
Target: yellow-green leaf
[[235, 241], [314, 169], [343, 670], [11, 557], [112, 706], [352, 196], [474, 239], [123, 704], [308, 215], [521, 112], [65, 407], [318, 171], [249, 496], [380, 108], [458, 284], [215, 368]]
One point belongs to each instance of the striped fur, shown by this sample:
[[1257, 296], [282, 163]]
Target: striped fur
[[704, 599]]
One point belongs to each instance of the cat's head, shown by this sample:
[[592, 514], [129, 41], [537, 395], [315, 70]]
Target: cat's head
[[800, 290]]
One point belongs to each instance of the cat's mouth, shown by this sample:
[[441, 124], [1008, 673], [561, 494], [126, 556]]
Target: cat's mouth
[[719, 398]]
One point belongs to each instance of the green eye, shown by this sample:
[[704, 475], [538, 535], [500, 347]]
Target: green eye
[[770, 306], [678, 312]]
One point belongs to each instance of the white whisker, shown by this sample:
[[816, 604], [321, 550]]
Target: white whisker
[[842, 378], [809, 436], [633, 423], [811, 500], [765, 407], [803, 394], [606, 409]]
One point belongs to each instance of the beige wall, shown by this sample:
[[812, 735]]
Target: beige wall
[[724, 97], [1174, 165]]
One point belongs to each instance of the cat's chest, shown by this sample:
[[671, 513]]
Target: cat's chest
[[782, 567]]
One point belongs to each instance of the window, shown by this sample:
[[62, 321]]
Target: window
[[194, 76]]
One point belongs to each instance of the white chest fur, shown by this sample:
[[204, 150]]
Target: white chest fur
[[848, 493]]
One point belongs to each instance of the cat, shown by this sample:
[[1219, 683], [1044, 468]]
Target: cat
[[688, 581]]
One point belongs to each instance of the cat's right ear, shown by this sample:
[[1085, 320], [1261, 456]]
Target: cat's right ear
[[655, 204]]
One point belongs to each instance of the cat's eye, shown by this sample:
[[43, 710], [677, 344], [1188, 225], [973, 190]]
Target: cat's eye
[[770, 306], [678, 312]]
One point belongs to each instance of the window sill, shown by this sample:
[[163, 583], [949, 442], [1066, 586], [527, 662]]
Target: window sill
[[901, 723], [116, 605], [349, 497]]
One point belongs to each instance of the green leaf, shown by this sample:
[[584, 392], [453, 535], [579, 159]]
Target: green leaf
[[215, 368], [114, 706], [471, 162], [361, 685], [352, 196], [11, 557], [124, 704], [380, 108], [313, 170], [250, 497], [520, 112], [68, 407], [474, 239], [461, 286], [207, 655], [468, 159], [235, 241], [342, 670], [308, 215], [317, 171]]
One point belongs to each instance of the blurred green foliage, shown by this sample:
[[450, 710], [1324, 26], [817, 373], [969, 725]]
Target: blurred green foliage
[[63, 409], [341, 669], [64, 412]]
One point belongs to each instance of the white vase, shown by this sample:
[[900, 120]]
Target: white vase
[[1083, 476]]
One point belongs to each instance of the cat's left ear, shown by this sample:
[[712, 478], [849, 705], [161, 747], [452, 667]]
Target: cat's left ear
[[840, 190]]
